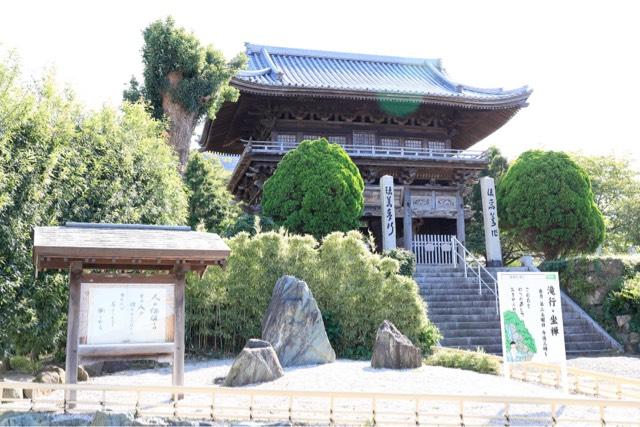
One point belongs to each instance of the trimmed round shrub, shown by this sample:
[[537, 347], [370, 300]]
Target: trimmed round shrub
[[545, 198], [316, 189]]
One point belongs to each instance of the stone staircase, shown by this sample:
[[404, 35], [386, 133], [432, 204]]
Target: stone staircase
[[469, 320]]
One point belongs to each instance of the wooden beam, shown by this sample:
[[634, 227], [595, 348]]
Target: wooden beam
[[73, 327], [89, 350]]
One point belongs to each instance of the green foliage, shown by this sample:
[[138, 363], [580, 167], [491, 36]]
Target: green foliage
[[356, 290], [511, 318], [202, 73], [60, 163], [477, 361], [24, 365], [250, 223], [210, 203], [407, 260], [316, 189], [616, 187], [512, 248], [626, 300], [546, 199]]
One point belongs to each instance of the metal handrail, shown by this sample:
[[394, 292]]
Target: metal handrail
[[375, 150], [455, 243]]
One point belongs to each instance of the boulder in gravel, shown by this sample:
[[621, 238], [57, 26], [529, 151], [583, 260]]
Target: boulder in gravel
[[83, 375], [293, 325], [50, 375], [393, 350], [256, 363], [94, 369]]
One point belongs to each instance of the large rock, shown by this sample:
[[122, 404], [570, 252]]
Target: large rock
[[293, 325], [394, 350], [256, 363]]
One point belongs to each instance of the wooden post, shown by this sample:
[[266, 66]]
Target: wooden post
[[73, 327], [460, 231], [407, 219], [178, 329]]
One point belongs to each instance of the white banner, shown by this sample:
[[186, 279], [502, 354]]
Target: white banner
[[531, 317]]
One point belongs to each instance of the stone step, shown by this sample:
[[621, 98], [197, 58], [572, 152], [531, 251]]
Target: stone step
[[448, 292], [458, 303], [473, 332], [437, 318], [463, 311], [471, 341], [493, 324], [485, 298]]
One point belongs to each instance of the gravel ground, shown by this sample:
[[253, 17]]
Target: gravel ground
[[624, 366], [348, 375]]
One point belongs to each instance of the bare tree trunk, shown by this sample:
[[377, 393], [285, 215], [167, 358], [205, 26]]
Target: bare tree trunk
[[181, 123]]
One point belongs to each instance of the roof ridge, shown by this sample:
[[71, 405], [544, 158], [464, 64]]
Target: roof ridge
[[279, 50]]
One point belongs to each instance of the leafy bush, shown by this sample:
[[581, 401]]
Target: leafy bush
[[407, 260], [477, 361], [316, 189], [250, 223], [24, 365], [626, 300], [356, 290], [546, 199]]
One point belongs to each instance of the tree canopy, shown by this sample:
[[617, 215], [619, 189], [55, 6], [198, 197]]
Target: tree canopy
[[546, 199], [59, 162], [210, 203], [316, 189], [616, 187], [183, 80]]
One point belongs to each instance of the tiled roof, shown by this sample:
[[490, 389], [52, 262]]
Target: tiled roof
[[273, 68]]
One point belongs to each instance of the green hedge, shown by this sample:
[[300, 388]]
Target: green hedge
[[356, 290], [407, 260]]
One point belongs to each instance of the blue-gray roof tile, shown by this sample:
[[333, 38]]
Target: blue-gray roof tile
[[286, 68]]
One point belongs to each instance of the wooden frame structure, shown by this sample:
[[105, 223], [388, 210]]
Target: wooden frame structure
[[169, 252]]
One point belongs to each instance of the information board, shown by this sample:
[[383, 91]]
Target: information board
[[531, 317], [126, 313]]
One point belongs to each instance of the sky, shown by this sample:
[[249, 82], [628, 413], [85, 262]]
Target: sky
[[580, 58]]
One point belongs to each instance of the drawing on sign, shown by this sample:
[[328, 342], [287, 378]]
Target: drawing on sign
[[126, 314], [531, 317]]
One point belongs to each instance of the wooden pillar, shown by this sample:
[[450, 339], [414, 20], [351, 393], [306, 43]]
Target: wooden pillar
[[73, 327], [460, 231], [407, 220], [178, 327]]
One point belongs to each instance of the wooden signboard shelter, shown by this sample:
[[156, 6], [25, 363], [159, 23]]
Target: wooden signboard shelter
[[115, 315]]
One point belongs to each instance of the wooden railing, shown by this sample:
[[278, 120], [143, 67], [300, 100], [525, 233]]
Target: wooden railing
[[580, 381], [355, 150], [324, 407]]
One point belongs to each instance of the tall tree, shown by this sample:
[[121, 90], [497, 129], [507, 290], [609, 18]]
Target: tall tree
[[546, 199], [60, 163], [183, 80], [512, 248], [210, 203], [616, 188]]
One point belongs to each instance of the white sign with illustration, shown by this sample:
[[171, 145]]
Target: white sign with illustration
[[531, 317], [123, 314]]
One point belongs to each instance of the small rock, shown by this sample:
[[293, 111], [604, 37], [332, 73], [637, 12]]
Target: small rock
[[218, 380], [50, 377], [256, 363], [623, 320], [82, 374], [393, 350], [634, 338], [293, 325], [94, 369]]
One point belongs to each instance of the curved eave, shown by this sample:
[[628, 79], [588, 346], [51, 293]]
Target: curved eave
[[517, 99]]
